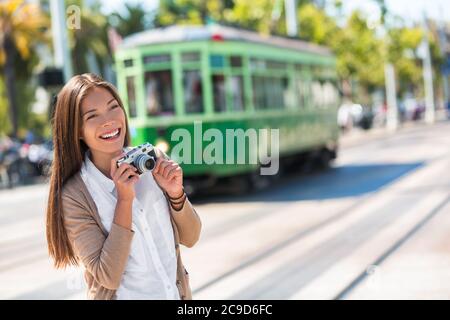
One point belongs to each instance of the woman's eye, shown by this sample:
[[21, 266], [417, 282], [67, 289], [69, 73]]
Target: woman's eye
[[90, 117], [114, 106]]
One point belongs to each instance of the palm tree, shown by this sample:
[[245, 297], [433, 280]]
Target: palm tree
[[22, 25], [90, 40], [134, 19]]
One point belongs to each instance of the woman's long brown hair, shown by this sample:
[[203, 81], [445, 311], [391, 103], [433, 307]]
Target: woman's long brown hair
[[68, 156]]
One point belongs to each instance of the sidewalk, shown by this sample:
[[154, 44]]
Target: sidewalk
[[357, 136]]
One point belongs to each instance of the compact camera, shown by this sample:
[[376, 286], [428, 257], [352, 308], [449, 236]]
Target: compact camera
[[142, 157]]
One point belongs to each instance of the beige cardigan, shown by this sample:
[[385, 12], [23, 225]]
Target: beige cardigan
[[104, 255]]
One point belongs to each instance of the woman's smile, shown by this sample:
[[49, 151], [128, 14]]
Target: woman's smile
[[112, 135]]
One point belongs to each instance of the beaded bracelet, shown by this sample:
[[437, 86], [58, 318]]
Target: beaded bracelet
[[177, 203], [178, 198]]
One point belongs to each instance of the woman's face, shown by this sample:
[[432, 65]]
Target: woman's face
[[103, 122]]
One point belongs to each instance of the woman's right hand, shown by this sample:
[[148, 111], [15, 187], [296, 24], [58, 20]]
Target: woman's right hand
[[124, 179]]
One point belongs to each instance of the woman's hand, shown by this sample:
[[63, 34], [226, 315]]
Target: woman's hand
[[169, 176], [124, 179]]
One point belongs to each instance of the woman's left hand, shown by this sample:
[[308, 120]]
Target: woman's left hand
[[169, 176]]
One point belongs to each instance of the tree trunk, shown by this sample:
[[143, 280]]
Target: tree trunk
[[10, 80]]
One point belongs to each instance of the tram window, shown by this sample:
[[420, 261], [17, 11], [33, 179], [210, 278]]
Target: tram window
[[190, 57], [192, 85], [257, 64], [217, 61], [159, 96], [218, 83], [131, 94], [302, 91], [236, 62], [128, 63], [157, 59], [317, 94], [276, 89], [237, 91], [331, 94], [259, 96], [271, 92], [271, 64], [289, 98]]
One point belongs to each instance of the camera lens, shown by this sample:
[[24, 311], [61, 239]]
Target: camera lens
[[150, 164], [144, 163]]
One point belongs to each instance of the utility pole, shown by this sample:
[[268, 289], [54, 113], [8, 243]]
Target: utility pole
[[62, 57], [391, 97], [428, 77], [290, 7]]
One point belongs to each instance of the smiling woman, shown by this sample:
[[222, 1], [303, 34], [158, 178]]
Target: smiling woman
[[102, 215]]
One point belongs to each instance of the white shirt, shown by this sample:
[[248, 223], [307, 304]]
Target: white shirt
[[151, 269]]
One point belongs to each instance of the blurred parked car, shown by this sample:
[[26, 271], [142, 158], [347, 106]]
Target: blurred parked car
[[354, 115]]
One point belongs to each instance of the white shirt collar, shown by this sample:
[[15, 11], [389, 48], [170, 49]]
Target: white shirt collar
[[93, 172]]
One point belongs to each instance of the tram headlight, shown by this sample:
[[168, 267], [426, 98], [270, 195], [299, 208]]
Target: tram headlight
[[162, 145]]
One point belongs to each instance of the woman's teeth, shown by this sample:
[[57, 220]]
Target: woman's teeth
[[110, 135]]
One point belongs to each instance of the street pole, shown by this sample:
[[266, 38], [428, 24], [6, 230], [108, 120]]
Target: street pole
[[291, 17], [391, 97], [62, 57], [428, 78]]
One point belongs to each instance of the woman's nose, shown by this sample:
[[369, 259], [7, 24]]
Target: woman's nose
[[107, 124]]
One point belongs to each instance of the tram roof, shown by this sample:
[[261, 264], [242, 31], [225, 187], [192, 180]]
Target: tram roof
[[177, 33]]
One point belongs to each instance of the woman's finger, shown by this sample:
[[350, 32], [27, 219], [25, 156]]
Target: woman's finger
[[162, 166], [173, 173], [114, 164], [129, 172], [158, 163], [171, 165], [168, 170], [120, 170], [132, 180]]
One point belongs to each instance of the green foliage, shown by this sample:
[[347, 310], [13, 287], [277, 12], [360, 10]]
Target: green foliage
[[194, 12], [135, 19], [90, 38], [258, 15], [401, 51], [5, 125]]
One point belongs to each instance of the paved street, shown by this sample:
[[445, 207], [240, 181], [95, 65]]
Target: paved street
[[374, 226]]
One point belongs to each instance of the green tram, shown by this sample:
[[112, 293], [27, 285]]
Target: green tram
[[226, 78]]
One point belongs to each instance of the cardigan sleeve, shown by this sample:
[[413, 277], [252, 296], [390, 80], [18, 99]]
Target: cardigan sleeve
[[105, 257], [188, 224]]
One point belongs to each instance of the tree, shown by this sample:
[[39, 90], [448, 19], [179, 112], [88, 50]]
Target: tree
[[22, 26], [262, 16], [401, 52], [135, 19], [89, 44], [195, 12]]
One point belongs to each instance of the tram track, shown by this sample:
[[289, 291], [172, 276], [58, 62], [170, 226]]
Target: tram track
[[392, 249], [347, 211]]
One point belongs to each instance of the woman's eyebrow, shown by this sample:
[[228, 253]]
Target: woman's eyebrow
[[92, 110]]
